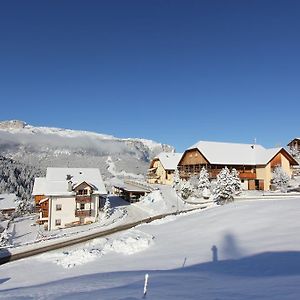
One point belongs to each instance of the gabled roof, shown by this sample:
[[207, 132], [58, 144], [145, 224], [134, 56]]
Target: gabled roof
[[236, 154], [39, 186], [294, 139], [56, 181], [169, 160]]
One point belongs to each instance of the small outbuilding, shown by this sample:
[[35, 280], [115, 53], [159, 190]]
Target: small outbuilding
[[8, 204], [131, 191]]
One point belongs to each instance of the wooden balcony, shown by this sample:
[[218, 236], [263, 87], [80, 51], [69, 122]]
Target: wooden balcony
[[247, 175], [82, 213], [214, 173], [83, 198]]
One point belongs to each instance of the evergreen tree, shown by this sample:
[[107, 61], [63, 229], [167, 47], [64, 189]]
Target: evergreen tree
[[4, 238], [280, 179], [203, 180], [18, 178], [186, 189], [176, 181], [224, 189], [236, 181], [107, 209]]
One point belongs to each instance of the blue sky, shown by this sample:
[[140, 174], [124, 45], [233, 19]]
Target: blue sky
[[172, 71]]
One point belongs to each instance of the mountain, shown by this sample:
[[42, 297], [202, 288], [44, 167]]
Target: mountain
[[42, 147]]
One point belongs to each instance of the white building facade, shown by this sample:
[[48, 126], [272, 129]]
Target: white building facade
[[70, 197]]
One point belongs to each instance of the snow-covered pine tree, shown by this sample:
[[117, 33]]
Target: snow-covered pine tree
[[4, 238], [24, 207], [294, 151], [194, 185], [176, 181], [236, 180], [107, 209], [203, 180], [280, 179], [224, 189], [186, 189], [17, 178]]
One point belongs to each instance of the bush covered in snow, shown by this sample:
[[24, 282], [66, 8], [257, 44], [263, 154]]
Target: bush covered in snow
[[280, 179], [186, 189]]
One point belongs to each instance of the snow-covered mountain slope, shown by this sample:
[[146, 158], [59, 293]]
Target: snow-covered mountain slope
[[56, 147], [240, 251]]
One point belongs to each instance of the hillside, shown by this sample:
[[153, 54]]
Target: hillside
[[244, 250], [42, 147]]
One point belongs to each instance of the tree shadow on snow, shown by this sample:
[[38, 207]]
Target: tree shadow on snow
[[129, 285], [258, 265], [2, 280]]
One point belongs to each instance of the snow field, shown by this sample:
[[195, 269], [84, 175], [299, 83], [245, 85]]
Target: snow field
[[240, 251], [127, 243]]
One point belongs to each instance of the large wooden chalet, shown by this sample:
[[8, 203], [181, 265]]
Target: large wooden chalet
[[253, 162]]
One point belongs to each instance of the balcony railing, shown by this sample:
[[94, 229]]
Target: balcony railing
[[83, 198], [82, 213], [214, 173]]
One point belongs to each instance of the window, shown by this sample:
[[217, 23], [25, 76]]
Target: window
[[82, 192], [57, 222], [58, 206], [81, 205]]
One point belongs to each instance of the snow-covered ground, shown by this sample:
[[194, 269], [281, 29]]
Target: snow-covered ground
[[24, 230], [243, 250]]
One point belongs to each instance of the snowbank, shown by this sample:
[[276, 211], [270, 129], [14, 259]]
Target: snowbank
[[127, 243], [153, 203]]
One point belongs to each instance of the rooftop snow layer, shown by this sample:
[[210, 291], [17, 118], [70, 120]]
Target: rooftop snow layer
[[56, 181], [235, 154], [169, 160], [39, 186], [8, 201]]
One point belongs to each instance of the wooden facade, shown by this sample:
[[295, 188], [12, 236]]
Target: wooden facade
[[37, 199], [193, 161]]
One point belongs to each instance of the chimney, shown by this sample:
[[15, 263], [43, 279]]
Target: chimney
[[70, 186]]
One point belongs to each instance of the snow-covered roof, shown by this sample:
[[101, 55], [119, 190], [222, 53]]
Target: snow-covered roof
[[39, 186], [296, 138], [169, 160], [235, 154], [132, 188], [56, 181], [8, 201]]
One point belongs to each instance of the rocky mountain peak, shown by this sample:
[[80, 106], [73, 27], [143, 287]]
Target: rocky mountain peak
[[12, 124]]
